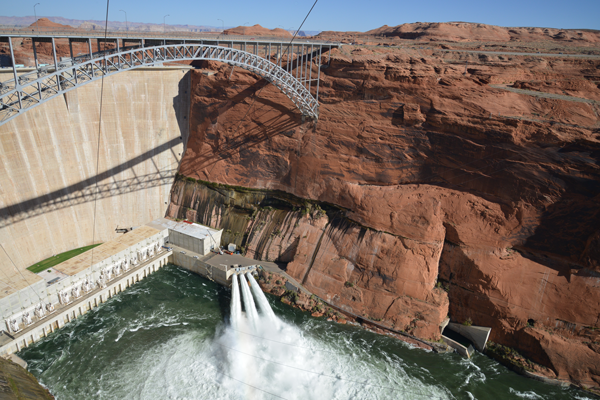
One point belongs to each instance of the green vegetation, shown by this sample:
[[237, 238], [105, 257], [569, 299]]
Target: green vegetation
[[318, 308], [57, 259], [349, 284], [468, 322], [510, 357], [291, 296], [319, 212]]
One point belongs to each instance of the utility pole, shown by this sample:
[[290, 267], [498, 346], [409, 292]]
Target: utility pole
[[164, 18], [126, 27], [35, 16], [223, 23]]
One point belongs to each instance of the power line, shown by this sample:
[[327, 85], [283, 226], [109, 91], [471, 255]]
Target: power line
[[287, 344], [20, 273], [99, 136], [300, 27], [328, 376], [286, 51], [247, 384]]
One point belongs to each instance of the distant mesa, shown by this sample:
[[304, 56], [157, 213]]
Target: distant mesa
[[46, 23], [90, 26], [471, 32], [257, 30]]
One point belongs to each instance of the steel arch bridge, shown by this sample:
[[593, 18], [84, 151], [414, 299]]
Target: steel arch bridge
[[30, 90]]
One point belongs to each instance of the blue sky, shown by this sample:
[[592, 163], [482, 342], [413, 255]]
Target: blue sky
[[327, 15]]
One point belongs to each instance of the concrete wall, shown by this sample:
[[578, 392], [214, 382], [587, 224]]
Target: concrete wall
[[48, 163], [478, 335], [460, 349], [213, 241], [188, 242], [199, 267]]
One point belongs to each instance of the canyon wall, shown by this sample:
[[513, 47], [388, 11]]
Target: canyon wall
[[441, 189], [48, 163]]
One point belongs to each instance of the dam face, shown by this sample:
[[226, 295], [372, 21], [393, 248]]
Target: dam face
[[48, 163]]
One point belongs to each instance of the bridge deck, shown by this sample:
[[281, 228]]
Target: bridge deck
[[173, 36], [287, 65]]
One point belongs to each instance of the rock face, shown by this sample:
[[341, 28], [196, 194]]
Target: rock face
[[464, 31], [435, 174], [16, 383], [378, 275], [23, 50], [474, 32]]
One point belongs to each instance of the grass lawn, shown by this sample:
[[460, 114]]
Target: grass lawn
[[57, 259]]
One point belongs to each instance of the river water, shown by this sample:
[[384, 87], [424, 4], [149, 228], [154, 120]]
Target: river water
[[169, 337]]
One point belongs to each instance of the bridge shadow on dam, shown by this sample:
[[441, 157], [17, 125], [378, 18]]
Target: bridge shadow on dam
[[87, 190]]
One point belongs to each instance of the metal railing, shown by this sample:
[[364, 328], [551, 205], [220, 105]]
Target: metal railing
[[34, 88], [178, 35]]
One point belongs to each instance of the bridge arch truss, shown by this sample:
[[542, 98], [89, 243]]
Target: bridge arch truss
[[292, 76]]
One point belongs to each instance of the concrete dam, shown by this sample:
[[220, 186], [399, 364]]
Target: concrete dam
[[48, 154], [49, 181]]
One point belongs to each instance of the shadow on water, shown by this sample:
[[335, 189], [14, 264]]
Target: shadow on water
[[224, 300]]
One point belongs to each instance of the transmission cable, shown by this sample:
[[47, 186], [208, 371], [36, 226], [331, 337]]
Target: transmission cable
[[325, 375], [104, 71], [247, 384], [300, 27], [287, 344], [287, 51], [20, 273]]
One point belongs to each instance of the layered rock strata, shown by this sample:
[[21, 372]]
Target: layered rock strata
[[437, 180]]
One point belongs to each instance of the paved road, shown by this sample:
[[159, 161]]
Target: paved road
[[227, 259], [515, 53], [545, 95], [134, 36]]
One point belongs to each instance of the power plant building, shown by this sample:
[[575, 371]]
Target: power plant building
[[191, 236]]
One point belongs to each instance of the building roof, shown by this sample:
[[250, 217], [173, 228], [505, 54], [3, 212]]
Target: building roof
[[105, 250], [191, 229], [11, 281]]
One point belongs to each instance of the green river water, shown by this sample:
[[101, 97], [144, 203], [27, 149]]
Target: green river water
[[169, 337]]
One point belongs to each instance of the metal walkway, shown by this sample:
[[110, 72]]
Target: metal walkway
[[290, 69]]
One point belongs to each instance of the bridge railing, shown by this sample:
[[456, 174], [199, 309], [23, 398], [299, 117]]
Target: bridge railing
[[217, 36], [35, 87]]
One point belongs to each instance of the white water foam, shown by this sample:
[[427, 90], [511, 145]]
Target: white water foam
[[306, 358], [525, 395], [260, 360]]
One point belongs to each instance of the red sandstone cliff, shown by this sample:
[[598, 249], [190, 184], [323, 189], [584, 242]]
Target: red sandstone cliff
[[445, 179], [474, 32], [465, 31]]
